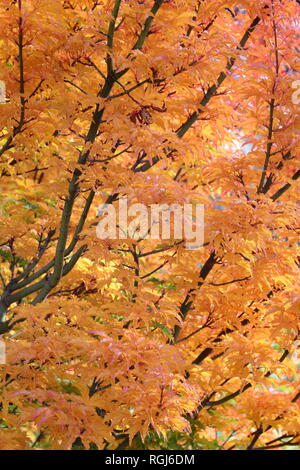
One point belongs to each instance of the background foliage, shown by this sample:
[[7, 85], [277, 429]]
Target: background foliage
[[142, 343]]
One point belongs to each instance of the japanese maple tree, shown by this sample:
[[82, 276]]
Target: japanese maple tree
[[141, 343]]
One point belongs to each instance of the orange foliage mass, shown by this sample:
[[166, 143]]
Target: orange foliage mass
[[110, 341]]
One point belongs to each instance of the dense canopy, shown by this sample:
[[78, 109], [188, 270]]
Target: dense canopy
[[142, 343]]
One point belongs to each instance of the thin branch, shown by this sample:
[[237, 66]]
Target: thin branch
[[159, 250], [147, 25], [2, 280], [21, 122], [261, 186], [36, 88], [190, 28], [155, 270], [229, 437], [110, 34], [284, 436], [187, 304], [276, 446], [127, 92], [229, 282], [255, 438], [206, 324], [182, 130], [75, 86], [105, 160], [231, 396], [92, 64], [284, 188]]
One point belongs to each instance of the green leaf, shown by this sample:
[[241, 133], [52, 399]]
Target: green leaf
[[163, 328]]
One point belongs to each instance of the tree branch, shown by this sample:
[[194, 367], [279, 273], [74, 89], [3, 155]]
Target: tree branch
[[187, 304], [147, 25], [262, 187], [182, 130]]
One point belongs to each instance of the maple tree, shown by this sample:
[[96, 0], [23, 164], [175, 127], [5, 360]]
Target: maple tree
[[127, 343]]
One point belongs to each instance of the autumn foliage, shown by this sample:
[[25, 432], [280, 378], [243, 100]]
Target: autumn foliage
[[123, 343]]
